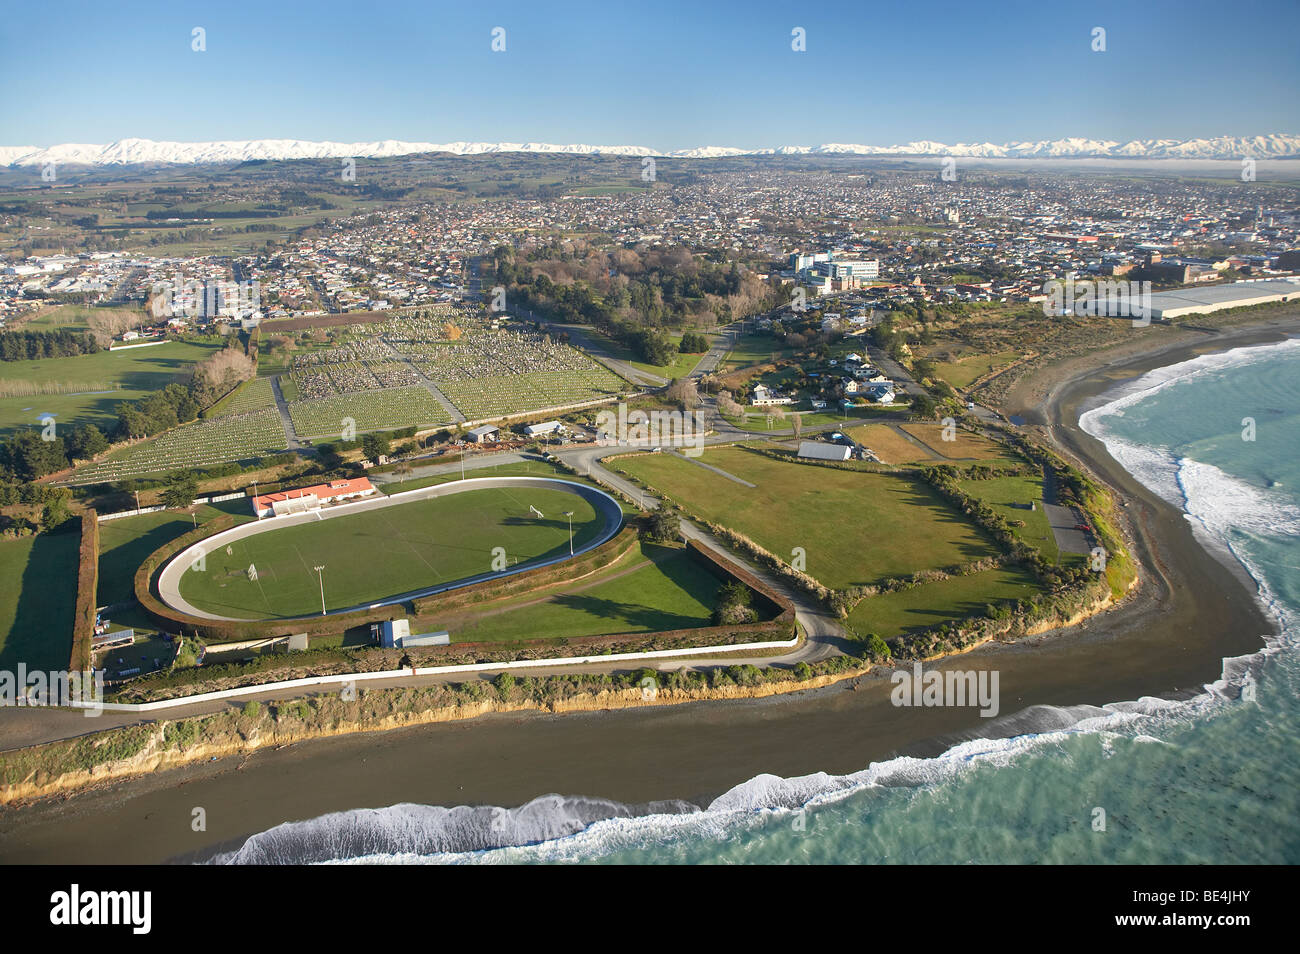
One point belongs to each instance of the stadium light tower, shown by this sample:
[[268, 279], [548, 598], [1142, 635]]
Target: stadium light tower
[[569, 514], [322, 588]]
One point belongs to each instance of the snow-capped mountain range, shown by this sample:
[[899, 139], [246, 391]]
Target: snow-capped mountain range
[[139, 151]]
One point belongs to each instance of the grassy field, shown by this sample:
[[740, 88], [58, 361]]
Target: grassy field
[[680, 365], [754, 349], [38, 581], [962, 372], [892, 614], [963, 446], [855, 527], [888, 444], [130, 375], [650, 589], [380, 553], [1011, 497], [124, 543]]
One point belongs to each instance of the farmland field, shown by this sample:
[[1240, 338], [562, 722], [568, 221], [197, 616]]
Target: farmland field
[[38, 583], [97, 382], [855, 527], [963, 446], [888, 444], [380, 553]]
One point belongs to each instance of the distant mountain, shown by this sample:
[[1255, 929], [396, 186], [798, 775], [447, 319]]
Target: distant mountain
[[141, 151]]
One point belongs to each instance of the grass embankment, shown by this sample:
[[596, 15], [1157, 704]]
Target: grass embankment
[[136, 750], [650, 588]]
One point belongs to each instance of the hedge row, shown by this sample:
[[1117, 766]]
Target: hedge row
[[83, 620]]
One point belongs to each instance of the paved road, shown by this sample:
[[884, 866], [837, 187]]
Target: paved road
[[281, 405], [1063, 521], [711, 359]]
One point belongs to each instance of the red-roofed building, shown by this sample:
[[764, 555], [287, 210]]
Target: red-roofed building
[[308, 498]]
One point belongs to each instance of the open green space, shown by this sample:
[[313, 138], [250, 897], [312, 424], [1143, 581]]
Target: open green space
[[385, 552], [650, 589], [1011, 498], [930, 604], [97, 382], [126, 542], [855, 527], [38, 582], [962, 372], [680, 365]]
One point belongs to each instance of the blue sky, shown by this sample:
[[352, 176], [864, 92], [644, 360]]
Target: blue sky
[[665, 74]]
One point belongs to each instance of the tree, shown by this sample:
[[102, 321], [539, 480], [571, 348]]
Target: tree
[[373, 445], [923, 407], [85, 442], [180, 489], [55, 513], [664, 525], [734, 604]]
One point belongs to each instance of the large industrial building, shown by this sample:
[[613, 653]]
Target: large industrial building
[[1202, 301]]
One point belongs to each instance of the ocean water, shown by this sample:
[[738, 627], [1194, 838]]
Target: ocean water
[[1214, 779]]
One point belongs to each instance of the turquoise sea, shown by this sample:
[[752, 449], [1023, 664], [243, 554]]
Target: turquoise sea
[[1215, 779]]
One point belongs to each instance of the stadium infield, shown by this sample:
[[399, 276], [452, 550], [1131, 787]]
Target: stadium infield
[[385, 550]]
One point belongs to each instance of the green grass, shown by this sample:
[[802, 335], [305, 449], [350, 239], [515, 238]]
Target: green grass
[[893, 614], [1010, 497], [135, 373], [38, 582], [382, 553], [855, 527], [755, 349], [651, 589], [961, 373], [680, 365], [125, 543]]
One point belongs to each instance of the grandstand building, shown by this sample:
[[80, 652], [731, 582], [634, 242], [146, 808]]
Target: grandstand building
[[309, 498]]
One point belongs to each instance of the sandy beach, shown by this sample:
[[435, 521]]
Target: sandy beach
[[1168, 638]]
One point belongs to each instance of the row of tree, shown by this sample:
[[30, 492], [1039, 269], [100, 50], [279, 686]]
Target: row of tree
[[32, 345]]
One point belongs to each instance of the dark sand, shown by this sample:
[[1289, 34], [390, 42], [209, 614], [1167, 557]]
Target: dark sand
[[1169, 639]]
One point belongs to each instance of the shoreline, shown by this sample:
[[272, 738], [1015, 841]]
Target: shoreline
[[1185, 617]]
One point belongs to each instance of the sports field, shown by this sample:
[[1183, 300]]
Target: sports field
[[854, 527], [375, 554]]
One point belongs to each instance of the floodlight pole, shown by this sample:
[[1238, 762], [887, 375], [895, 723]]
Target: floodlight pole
[[569, 514], [322, 589]]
